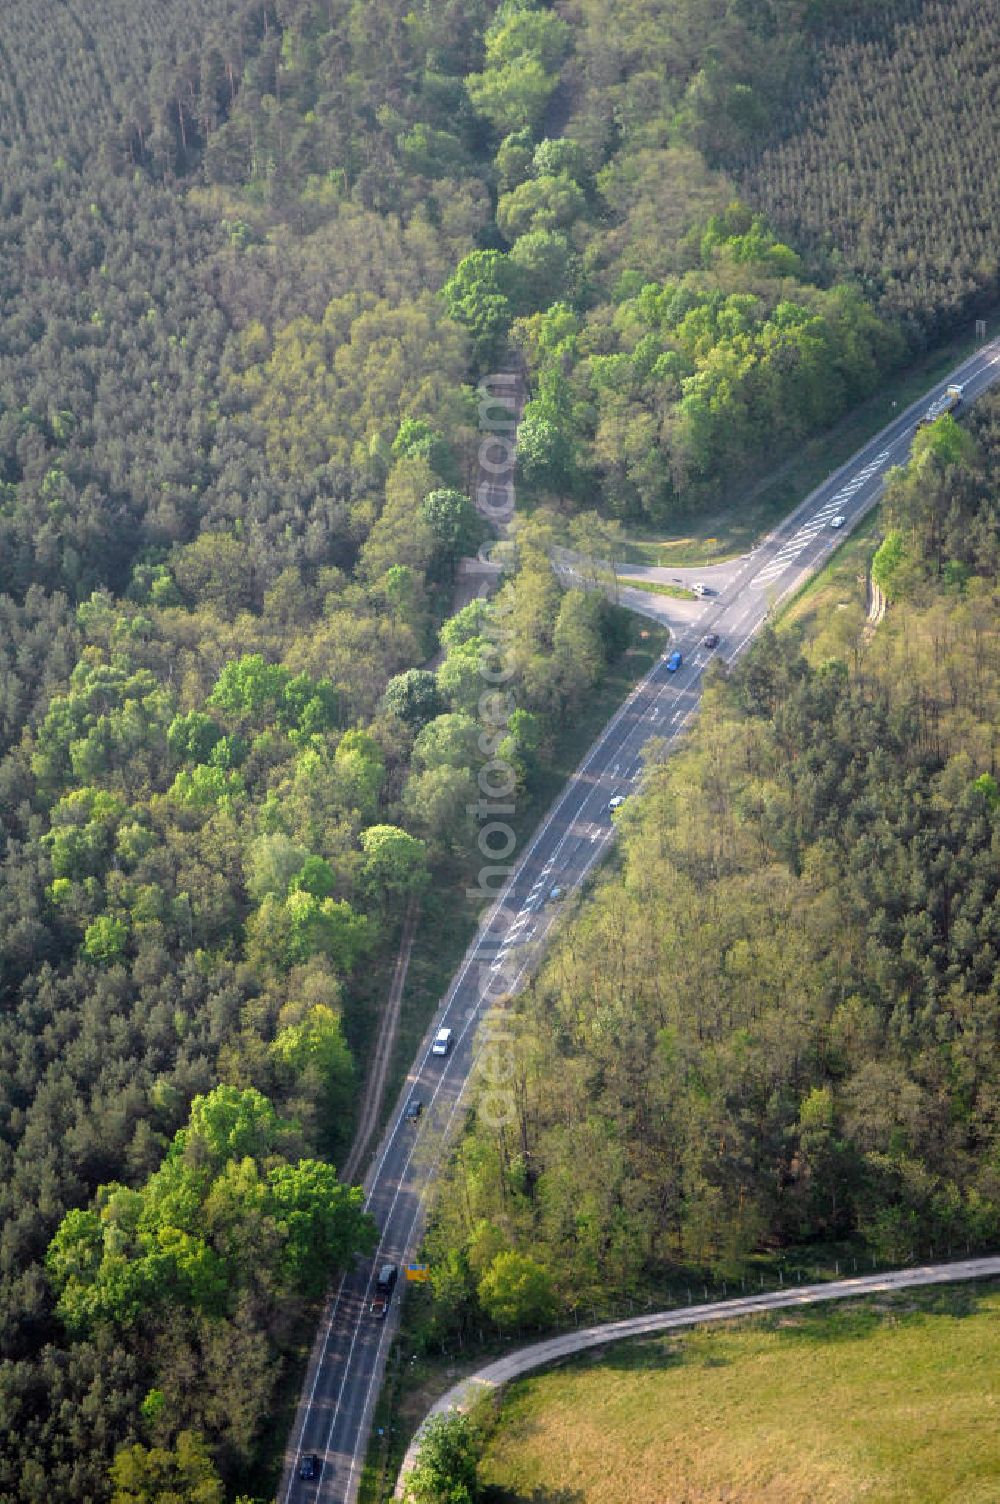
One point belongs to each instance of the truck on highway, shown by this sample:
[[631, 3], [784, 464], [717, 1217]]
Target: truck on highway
[[384, 1286], [946, 403]]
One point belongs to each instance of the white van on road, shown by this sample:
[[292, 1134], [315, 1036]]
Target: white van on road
[[442, 1042]]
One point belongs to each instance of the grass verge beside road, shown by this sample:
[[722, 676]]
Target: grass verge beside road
[[894, 1399], [828, 612], [654, 587]]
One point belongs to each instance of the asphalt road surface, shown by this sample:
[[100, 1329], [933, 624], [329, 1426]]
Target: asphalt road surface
[[541, 1354], [345, 1371]]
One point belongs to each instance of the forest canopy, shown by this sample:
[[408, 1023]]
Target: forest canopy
[[255, 256]]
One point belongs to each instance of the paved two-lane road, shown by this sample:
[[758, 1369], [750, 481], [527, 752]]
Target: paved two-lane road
[[345, 1371]]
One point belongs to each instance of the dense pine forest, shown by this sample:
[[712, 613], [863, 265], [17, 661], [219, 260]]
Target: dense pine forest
[[886, 165], [254, 257]]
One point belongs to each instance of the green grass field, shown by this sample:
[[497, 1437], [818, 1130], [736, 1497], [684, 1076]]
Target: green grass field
[[883, 1401]]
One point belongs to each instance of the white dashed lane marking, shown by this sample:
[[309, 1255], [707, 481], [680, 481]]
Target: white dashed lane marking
[[815, 524]]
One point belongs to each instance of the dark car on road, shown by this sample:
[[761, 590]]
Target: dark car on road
[[712, 640], [414, 1108], [674, 662], [309, 1466]]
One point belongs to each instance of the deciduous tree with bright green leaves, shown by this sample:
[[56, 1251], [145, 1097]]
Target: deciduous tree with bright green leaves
[[315, 1054], [512, 95], [446, 1463], [480, 295], [455, 525], [322, 1222], [105, 940], [395, 862], [516, 1291], [166, 1475], [179, 1242], [413, 696]]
